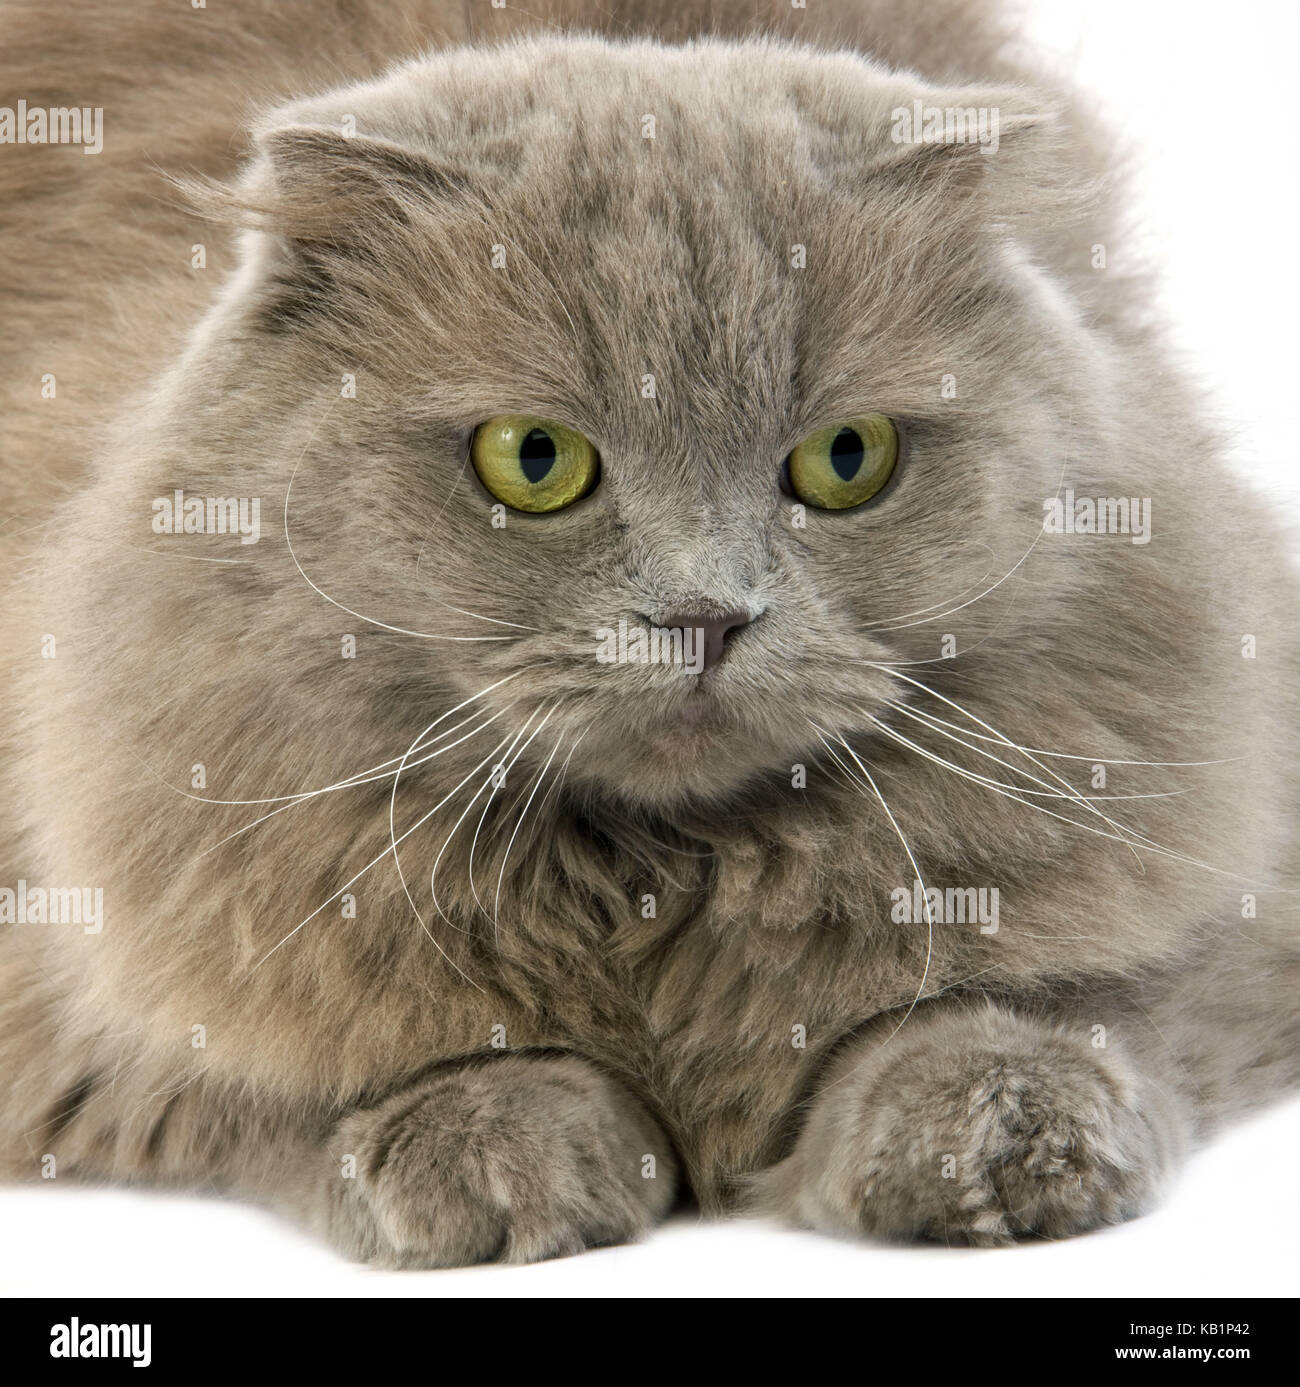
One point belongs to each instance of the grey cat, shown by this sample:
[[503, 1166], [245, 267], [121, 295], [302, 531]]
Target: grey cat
[[629, 609]]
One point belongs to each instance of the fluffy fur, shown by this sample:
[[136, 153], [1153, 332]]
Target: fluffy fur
[[506, 1050]]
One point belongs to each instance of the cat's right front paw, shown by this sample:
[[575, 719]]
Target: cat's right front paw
[[514, 1159]]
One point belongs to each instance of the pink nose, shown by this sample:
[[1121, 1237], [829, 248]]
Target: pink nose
[[713, 629]]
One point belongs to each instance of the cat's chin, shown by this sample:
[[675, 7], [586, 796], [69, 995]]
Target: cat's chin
[[698, 752]]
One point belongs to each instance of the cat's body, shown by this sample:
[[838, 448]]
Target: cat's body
[[673, 929]]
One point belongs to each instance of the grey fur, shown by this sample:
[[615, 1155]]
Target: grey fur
[[771, 1031]]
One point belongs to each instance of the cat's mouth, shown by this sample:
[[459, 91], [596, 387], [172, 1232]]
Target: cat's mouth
[[700, 712], [703, 725], [708, 716]]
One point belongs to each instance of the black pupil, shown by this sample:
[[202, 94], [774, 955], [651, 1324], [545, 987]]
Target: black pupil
[[846, 454], [537, 455]]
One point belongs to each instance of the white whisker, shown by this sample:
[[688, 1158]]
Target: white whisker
[[925, 721], [1138, 839], [382, 625], [488, 781], [365, 777], [894, 735], [934, 606], [391, 848], [1061, 755], [925, 895], [370, 779], [487, 803], [541, 775], [952, 611], [1121, 829]]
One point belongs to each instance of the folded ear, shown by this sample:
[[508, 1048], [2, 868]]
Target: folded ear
[[318, 186], [331, 209], [1000, 149], [952, 122]]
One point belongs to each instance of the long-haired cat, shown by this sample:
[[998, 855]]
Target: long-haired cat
[[612, 605]]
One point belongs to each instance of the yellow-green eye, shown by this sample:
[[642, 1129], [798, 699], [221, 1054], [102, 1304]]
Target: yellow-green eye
[[846, 464], [533, 464]]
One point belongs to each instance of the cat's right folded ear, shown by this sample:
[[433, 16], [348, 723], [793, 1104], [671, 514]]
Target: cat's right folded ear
[[325, 188]]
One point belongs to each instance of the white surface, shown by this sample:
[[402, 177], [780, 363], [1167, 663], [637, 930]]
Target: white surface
[[1227, 1228], [1203, 90]]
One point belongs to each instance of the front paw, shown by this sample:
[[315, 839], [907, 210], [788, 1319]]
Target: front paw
[[515, 1159], [977, 1127]]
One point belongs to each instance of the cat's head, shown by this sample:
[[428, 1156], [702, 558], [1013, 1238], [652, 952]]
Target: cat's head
[[562, 341]]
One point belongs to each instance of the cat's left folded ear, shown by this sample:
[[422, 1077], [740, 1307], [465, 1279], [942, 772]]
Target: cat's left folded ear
[[995, 149]]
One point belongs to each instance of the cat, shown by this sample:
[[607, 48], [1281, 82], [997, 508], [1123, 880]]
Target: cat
[[391, 375]]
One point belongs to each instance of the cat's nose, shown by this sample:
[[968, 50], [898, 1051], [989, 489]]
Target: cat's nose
[[712, 628]]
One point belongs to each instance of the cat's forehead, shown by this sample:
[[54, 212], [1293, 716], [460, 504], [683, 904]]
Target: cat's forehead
[[554, 107], [614, 212]]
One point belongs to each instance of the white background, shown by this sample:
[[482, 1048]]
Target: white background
[[1203, 91]]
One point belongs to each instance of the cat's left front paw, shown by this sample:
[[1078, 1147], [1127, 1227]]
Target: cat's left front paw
[[977, 1127]]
